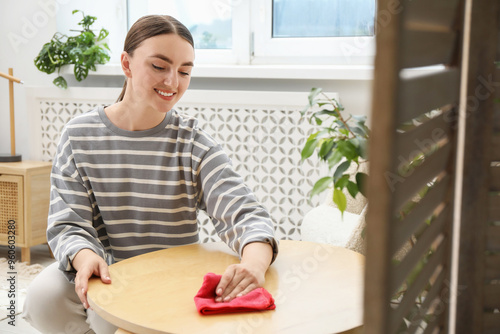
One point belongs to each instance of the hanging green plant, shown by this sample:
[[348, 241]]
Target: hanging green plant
[[83, 51], [339, 142]]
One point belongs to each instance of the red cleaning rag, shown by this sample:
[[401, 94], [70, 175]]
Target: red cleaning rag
[[257, 300]]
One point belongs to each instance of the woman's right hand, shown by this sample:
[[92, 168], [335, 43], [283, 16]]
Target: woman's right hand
[[88, 264]]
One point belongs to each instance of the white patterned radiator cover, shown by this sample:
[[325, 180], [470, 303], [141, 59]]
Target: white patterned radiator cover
[[262, 132]]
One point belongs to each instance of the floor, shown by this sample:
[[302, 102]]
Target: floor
[[39, 254]]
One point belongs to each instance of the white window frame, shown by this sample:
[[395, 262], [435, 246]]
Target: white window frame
[[341, 58], [358, 50], [253, 43], [240, 52]]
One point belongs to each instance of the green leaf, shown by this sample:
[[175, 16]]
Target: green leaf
[[361, 179], [318, 120], [305, 110], [341, 169], [81, 71], [361, 145], [326, 148], [342, 182], [321, 185], [348, 150], [416, 270], [43, 61], [344, 131], [309, 148], [315, 134], [86, 38], [87, 21], [76, 54], [61, 57], [324, 133], [322, 112], [91, 67], [359, 118], [363, 149], [60, 82], [102, 34], [352, 188], [313, 94], [334, 158], [339, 199], [105, 45], [75, 11], [358, 130], [340, 107]]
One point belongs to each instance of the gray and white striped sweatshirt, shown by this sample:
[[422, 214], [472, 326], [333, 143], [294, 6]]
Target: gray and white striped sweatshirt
[[124, 193]]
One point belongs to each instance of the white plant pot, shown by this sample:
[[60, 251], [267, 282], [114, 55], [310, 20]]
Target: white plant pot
[[324, 224]]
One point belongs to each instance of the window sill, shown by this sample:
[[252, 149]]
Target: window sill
[[295, 72], [325, 72]]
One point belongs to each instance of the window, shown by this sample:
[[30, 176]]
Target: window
[[210, 25], [272, 31], [322, 18], [215, 25], [314, 31]]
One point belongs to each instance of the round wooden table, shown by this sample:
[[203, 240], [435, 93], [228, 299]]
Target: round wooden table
[[317, 288]]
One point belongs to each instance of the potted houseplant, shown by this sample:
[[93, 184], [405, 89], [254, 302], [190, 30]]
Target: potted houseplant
[[84, 51], [340, 142]]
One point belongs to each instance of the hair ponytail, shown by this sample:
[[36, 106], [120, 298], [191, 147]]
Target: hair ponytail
[[149, 26], [122, 94]]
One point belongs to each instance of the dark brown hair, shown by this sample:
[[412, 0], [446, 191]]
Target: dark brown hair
[[149, 26]]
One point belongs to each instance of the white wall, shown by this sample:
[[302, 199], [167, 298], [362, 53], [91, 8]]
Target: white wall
[[28, 24], [24, 27]]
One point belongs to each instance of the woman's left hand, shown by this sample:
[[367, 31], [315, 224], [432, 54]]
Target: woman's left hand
[[240, 279]]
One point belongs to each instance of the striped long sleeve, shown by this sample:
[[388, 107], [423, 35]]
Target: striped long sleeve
[[124, 193]]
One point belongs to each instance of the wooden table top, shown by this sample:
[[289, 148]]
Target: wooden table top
[[317, 288]]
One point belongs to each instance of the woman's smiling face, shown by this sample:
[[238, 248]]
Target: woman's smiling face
[[159, 71]]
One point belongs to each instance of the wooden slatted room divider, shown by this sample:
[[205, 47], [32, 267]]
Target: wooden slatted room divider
[[414, 167], [412, 159], [478, 293]]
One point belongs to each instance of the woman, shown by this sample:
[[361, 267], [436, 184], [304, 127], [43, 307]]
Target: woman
[[129, 178]]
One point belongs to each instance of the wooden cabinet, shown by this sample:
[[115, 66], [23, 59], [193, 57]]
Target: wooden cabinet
[[24, 203]]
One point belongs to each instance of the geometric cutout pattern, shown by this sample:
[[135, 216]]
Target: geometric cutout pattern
[[263, 143], [54, 115]]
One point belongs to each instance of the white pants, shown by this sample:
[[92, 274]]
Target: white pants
[[53, 307]]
